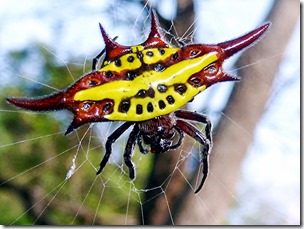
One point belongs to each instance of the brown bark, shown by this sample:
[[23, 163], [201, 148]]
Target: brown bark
[[244, 109]]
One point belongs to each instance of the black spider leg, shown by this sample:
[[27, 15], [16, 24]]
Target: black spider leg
[[129, 150], [111, 139], [198, 118], [180, 138], [97, 58], [198, 136], [181, 43], [142, 149]]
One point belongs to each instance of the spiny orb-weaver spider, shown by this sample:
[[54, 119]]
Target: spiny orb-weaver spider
[[145, 85]]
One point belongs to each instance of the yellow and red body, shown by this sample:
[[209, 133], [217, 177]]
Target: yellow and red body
[[139, 83]]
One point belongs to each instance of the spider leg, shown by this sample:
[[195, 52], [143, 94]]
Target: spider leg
[[198, 118], [129, 151], [111, 139], [97, 58], [142, 149], [180, 139], [198, 136]]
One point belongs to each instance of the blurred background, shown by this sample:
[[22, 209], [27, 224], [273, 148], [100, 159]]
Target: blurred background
[[255, 164]]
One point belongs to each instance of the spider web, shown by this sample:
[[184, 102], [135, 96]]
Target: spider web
[[55, 183]]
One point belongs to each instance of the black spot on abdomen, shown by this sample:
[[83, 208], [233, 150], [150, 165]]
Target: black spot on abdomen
[[180, 88], [150, 107], [170, 99], [161, 104], [139, 109], [124, 106]]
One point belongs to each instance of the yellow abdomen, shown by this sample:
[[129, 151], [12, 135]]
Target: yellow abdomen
[[155, 92]]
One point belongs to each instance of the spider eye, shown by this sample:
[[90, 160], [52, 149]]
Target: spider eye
[[211, 70]]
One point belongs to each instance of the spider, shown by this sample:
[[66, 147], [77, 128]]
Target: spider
[[158, 133], [145, 85]]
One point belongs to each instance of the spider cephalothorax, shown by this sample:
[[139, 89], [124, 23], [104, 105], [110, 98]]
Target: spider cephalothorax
[[145, 85]]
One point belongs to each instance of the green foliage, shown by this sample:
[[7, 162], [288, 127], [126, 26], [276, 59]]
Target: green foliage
[[36, 156]]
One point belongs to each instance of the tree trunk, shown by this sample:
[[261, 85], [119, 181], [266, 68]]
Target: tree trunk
[[244, 109]]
